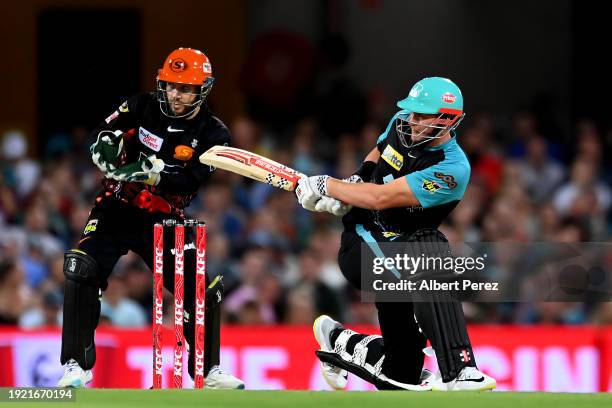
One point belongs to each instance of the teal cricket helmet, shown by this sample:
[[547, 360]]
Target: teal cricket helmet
[[433, 95], [430, 96]]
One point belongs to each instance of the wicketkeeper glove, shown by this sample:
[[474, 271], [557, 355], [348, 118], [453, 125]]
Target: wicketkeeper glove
[[105, 151], [145, 171]]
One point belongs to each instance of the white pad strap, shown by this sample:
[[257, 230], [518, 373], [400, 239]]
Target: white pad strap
[[340, 345], [378, 366], [361, 351]]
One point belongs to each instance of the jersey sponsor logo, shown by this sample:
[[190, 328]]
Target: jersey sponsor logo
[[447, 179], [91, 226], [431, 186], [182, 152], [150, 140], [449, 98], [112, 117], [392, 156], [172, 130], [124, 107]]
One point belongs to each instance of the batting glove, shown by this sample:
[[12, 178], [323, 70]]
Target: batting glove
[[310, 190], [335, 206]]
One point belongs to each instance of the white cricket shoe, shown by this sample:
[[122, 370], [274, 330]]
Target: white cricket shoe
[[426, 376], [336, 377], [74, 376], [469, 379], [218, 379]]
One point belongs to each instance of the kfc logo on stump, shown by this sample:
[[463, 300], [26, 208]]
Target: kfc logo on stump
[[449, 98]]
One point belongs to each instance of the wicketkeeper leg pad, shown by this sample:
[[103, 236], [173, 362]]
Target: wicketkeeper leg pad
[[81, 309]]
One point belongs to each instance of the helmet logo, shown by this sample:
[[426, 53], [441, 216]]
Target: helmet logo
[[449, 98], [207, 68], [178, 65], [416, 90]]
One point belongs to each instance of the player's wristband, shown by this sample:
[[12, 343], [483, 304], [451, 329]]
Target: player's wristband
[[365, 170]]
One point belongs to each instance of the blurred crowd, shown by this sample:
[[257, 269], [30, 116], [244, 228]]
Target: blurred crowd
[[278, 260]]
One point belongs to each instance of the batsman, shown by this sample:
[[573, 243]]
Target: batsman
[[407, 185], [147, 150]]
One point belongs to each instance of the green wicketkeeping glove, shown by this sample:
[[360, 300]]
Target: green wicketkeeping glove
[[106, 149], [144, 171]]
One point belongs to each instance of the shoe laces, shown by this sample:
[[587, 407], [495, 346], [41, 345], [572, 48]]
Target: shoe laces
[[217, 370]]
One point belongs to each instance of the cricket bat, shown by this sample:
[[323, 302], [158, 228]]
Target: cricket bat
[[251, 165]]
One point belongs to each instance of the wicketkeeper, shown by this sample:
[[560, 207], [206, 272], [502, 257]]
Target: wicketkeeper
[[405, 188], [148, 150]]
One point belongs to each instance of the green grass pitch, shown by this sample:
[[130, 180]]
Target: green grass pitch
[[297, 399]]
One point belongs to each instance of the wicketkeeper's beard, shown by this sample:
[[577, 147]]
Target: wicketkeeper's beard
[[178, 109]]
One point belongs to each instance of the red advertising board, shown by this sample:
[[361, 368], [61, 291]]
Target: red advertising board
[[561, 359]]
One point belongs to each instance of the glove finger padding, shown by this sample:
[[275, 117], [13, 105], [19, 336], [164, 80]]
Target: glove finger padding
[[340, 209], [305, 195], [141, 170], [325, 204], [107, 148]]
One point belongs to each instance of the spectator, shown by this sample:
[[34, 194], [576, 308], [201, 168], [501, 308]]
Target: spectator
[[48, 314], [118, 309], [538, 173], [325, 300], [583, 182], [15, 296], [19, 172]]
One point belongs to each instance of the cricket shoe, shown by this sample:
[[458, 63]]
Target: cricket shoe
[[323, 326], [426, 376], [74, 376], [218, 379], [469, 379]]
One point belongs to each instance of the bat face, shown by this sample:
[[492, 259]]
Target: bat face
[[252, 165]]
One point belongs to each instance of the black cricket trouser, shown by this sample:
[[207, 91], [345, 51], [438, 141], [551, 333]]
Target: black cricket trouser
[[403, 342]]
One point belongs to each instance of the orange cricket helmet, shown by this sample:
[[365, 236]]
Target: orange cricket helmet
[[185, 66]]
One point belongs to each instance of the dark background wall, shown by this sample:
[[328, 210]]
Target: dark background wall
[[504, 55], [547, 55], [216, 27]]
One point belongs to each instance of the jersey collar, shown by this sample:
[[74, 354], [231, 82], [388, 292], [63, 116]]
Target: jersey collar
[[444, 145]]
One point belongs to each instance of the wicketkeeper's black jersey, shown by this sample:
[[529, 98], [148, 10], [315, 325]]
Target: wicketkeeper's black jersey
[[177, 141]]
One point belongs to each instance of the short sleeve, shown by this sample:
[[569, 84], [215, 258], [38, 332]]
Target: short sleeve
[[440, 184]]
